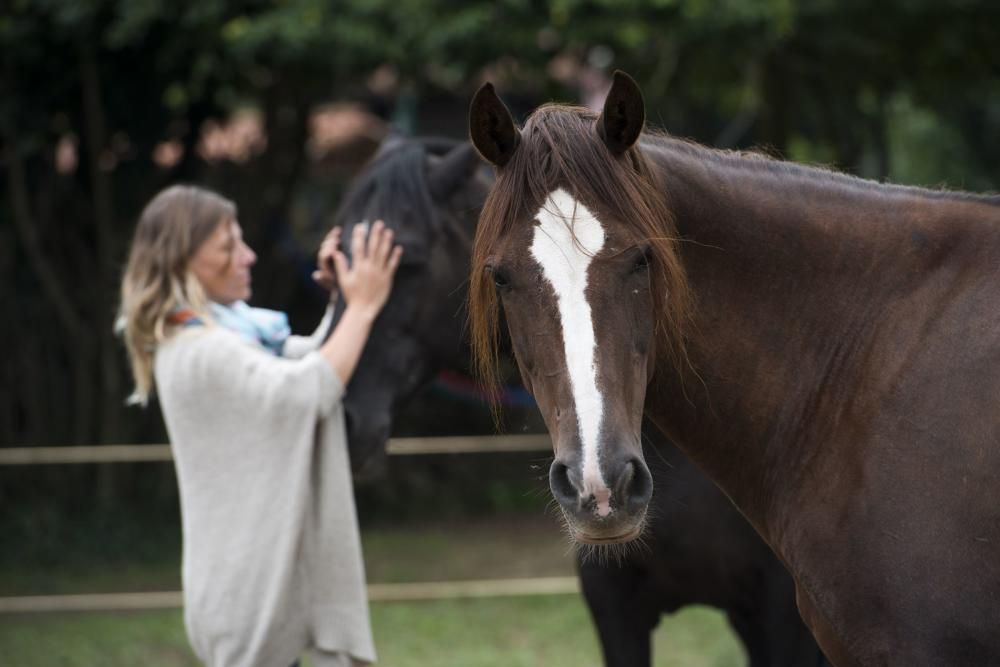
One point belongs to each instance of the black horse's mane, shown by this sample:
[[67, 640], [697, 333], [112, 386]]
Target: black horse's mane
[[393, 187]]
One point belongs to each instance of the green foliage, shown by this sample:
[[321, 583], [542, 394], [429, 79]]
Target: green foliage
[[930, 152], [803, 68], [908, 90]]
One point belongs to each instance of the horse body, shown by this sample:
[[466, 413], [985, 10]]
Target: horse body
[[844, 341], [866, 452], [699, 550]]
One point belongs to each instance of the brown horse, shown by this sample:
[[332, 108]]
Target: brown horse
[[697, 548], [826, 349]]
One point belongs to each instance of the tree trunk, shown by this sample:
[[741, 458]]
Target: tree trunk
[[95, 140], [27, 230]]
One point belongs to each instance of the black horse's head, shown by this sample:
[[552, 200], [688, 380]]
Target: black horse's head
[[430, 193]]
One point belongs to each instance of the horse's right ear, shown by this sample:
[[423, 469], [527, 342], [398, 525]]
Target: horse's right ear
[[491, 127]]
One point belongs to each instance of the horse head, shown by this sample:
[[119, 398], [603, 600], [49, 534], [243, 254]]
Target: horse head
[[428, 193], [572, 245]]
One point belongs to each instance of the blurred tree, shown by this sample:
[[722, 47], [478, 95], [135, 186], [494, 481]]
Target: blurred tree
[[91, 90]]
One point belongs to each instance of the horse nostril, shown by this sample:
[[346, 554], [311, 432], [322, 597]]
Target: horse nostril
[[635, 485], [562, 486]]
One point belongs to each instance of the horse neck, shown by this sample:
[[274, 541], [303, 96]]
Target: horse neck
[[792, 272]]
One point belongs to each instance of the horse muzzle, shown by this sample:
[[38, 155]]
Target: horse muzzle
[[603, 513]]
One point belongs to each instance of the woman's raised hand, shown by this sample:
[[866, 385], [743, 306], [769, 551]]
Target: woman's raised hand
[[366, 280]]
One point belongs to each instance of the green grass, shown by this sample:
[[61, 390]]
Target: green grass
[[495, 548], [488, 548], [554, 631], [153, 639]]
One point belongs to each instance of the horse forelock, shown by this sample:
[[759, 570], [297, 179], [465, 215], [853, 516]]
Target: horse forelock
[[561, 149]]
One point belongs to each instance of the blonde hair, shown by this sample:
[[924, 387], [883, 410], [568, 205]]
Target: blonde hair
[[157, 281]]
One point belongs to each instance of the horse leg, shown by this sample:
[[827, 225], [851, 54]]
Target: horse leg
[[616, 596], [772, 630], [753, 637]]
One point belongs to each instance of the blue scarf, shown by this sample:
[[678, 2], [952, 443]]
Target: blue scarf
[[267, 328]]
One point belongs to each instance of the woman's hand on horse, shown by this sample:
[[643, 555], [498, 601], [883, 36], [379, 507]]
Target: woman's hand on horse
[[367, 280], [325, 274]]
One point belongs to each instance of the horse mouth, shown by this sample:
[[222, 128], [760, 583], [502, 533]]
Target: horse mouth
[[627, 536]]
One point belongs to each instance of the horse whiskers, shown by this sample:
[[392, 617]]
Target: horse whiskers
[[540, 491], [571, 544], [603, 554], [552, 507], [618, 554]]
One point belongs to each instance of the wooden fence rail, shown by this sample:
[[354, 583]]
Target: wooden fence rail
[[146, 453], [433, 590], [438, 590]]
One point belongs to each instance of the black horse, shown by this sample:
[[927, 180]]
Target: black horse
[[699, 549], [430, 192]]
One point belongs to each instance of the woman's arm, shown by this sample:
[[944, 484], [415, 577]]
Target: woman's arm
[[365, 284], [297, 347]]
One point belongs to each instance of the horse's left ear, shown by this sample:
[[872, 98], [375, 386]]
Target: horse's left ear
[[452, 171], [624, 114]]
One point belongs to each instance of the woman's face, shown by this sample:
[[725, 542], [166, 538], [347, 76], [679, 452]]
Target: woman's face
[[222, 264]]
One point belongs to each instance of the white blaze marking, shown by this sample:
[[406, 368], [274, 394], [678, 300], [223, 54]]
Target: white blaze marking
[[566, 240]]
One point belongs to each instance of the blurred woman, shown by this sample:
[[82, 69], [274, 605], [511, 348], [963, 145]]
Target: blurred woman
[[272, 558]]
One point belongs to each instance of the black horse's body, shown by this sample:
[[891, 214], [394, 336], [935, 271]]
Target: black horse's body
[[699, 550]]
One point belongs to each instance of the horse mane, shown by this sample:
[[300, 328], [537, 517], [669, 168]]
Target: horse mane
[[393, 187], [823, 175], [560, 148]]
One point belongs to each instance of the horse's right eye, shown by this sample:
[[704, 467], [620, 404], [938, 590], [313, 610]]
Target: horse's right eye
[[500, 277], [641, 262]]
